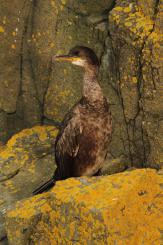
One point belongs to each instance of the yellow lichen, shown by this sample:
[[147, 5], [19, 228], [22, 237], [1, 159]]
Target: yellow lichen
[[2, 148], [118, 8], [2, 29], [6, 153], [135, 21], [29, 210], [127, 9], [134, 79], [41, 131], [16, 154], [13, 46], [122, 207], [46, 208], [14, 33], [128, 24], [63, 2]]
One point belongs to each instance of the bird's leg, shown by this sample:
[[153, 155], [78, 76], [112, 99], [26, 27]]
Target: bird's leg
[[98, 173]]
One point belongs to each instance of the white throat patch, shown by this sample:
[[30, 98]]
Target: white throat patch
[[78, 62]]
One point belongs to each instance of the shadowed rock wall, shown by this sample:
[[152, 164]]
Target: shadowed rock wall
[[135, 32], [128, 45], [31, 32]]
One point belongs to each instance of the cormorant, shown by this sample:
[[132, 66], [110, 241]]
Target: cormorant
[[82, 142]]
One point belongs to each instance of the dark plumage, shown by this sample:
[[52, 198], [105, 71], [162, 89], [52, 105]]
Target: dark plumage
[[82, 143]]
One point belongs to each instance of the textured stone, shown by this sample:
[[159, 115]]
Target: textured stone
[[66, 81], [135, 30], [25, 162], [34, 90], [123, 208], [30, 33]]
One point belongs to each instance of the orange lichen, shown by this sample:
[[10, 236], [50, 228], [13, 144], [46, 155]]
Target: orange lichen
[[41, 131], [122, 207], [29, 210]]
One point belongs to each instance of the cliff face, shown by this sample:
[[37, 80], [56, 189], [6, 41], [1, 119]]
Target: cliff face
[[30, 33], [128, 44], [135, 33]]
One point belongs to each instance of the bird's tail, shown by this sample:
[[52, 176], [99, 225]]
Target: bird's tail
[[45, 187]]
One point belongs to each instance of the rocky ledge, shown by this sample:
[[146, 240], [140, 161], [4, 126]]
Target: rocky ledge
[[124, 208], [25, 161]]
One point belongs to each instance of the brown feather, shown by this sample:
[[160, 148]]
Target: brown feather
[[82, 143]]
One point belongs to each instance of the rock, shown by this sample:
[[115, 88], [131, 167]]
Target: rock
[[130, 74], [25, 162], [112, 166], [33, 31], [66, 82], [135, 47], [100, 210]]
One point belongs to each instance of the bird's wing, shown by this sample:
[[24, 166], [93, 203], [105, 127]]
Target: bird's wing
[[67, 144], [66, 148]]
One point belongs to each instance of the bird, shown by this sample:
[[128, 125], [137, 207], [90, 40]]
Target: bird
[[82, 142]]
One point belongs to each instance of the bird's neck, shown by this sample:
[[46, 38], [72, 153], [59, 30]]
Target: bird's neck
[[91, 88]]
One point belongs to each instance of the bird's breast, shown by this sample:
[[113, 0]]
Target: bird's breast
[[94, 141], [95, 124]]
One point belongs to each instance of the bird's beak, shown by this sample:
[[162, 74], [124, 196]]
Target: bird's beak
[[65, 58]]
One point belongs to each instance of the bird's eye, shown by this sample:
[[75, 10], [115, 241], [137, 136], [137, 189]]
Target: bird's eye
[[76, 53]]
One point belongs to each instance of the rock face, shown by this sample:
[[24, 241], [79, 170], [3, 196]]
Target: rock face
[[30, 33], [25, 162], [135, 31], [33, 89], [123, 208]]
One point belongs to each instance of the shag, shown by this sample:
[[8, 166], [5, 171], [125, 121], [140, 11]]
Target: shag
[[82, 142]]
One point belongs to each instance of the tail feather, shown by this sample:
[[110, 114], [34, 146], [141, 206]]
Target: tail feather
[[45, 187]]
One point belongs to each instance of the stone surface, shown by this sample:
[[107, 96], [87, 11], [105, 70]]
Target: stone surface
[[135, 31], [25, 162], [124, 208], [34, 90], [31, 87]]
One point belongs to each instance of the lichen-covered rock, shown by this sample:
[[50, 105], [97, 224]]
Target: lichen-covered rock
[[30, 33], [135, 30], [26, 161], [33, 89], [18, 96], [123, 208], [76, 23]]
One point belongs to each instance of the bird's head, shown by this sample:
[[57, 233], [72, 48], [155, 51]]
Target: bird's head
[[80, 56]]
